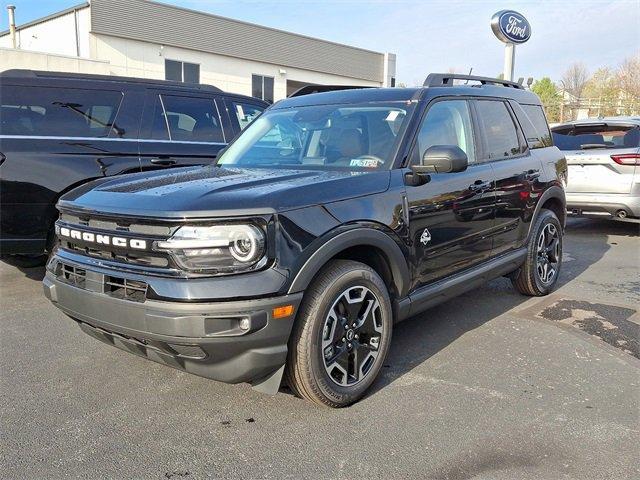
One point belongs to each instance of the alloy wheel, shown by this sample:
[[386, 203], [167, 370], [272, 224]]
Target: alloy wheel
[[548, 253], [351, 336]]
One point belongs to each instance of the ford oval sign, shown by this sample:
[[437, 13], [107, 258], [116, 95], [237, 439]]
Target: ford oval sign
[[511, 27]]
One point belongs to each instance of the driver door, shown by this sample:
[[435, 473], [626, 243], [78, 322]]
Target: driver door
[[451, 215]]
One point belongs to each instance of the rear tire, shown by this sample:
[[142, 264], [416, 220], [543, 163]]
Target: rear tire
[[539, 273], [341, 336]]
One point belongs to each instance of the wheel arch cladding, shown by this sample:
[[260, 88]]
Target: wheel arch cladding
[[552, 199], [367, 245]]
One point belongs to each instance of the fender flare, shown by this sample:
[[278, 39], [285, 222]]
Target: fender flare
[[552, 192], [353, 238]]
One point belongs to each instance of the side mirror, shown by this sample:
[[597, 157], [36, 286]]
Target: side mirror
[[442, 159]]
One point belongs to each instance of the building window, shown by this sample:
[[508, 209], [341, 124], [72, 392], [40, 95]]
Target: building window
[[262, 87], [181, 71]]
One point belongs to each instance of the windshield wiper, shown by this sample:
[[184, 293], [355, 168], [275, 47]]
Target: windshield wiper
[[589, 146]]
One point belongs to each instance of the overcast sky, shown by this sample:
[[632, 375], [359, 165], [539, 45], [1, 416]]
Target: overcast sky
[[435, 35]]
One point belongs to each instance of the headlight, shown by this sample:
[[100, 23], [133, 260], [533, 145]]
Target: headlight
[[222, 248]]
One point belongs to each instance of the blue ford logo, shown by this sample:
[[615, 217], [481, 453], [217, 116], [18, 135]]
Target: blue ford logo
[[511, 27]]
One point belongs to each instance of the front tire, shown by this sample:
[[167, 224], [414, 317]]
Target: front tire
[[341, 336], [539, 273]]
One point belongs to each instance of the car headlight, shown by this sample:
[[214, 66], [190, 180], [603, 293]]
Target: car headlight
[[221, 248]]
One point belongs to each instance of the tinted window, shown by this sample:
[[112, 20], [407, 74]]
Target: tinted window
[[597, 135], [262, 87], [44, 111], [246, 113], [537, 131], [500, 132], [186, 119], [447, 123]]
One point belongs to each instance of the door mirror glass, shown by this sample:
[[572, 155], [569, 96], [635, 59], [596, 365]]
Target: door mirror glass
[[442, 159]]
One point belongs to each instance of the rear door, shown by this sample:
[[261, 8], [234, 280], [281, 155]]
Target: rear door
[[53, 139], [600, 155], [516, 172], [181, 129]]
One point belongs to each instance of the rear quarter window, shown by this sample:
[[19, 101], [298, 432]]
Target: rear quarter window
[[536, 129], [49, 111], [596, 136]]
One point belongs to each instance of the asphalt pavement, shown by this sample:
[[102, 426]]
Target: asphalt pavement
[[489, 385]]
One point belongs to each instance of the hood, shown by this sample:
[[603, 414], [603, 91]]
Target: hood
[[215, 191]]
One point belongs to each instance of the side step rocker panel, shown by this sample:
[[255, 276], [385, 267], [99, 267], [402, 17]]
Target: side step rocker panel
[[448, 288]]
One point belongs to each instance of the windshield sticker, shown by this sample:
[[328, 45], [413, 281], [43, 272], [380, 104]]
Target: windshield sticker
[[393, 114], [364, 162]]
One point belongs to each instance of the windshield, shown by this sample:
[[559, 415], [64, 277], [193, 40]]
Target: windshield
[[329, 136]]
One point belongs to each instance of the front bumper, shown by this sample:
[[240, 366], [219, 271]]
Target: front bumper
[[596, 204], [201, 338]]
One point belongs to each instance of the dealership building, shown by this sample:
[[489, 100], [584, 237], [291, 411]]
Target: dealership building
[[140, 38]]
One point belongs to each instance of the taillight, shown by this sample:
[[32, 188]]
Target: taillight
[[626, 159]]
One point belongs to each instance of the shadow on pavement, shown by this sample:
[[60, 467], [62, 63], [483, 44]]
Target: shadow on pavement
[[417, 339]]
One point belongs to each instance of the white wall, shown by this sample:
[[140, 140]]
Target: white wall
[[57, 36], [141, 59], [16, 58]]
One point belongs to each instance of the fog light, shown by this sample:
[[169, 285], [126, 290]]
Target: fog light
[[244, 324]]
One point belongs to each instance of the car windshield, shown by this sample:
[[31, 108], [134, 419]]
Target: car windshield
[[595, 136], [354, 137]]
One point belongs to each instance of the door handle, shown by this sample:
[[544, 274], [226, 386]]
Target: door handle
[[479, 185], [163, 161]]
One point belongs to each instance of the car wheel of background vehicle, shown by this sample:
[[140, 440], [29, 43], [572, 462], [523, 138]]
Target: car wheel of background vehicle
[[539, 273], [341, 336]]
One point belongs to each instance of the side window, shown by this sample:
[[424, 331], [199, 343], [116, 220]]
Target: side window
[[500, 132], [246, 113], [45, 111], [186, 119], [448, 122], [540, 136]]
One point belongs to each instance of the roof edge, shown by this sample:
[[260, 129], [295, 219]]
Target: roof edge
[[47, 18]]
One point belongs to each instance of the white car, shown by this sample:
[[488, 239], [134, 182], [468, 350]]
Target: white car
[[603, 156]]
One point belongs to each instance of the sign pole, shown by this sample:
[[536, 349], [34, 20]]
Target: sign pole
[[509, 60]]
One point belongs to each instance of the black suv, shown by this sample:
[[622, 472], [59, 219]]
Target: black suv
[[330, 217], [59, 130]]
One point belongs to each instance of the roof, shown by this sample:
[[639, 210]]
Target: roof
[[36, 74], [365, 95], [47, 18], [169, 25]]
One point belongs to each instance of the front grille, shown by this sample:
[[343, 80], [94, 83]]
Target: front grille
[[123, 288], [117, 287], [109, 227], [72, 275], [149, 259]]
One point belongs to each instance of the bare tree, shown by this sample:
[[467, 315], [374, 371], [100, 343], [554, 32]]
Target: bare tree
[[575, 79], [629, 77]]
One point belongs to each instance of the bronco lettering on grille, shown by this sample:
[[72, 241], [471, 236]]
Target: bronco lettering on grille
[[101, 239]]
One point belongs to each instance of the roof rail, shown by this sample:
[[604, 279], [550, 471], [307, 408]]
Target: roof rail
[[309, 89], [446, 80], [26, 73]]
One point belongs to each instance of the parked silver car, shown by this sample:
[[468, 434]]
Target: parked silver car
[[603, 156]]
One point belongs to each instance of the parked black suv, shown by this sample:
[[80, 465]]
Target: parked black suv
[[332, 216], [59, 130]]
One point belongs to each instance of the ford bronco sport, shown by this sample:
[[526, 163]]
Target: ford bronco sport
[[332, 216]]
